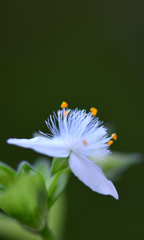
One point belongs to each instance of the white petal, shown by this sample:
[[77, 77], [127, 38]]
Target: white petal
[[49, 147], [91, 175]]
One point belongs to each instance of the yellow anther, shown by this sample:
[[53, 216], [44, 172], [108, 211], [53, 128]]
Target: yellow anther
[[65, 113], [110, 142], [85, 142], [114, 136], [64, 105], [93, 111]]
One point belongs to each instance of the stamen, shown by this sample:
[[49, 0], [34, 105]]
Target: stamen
[[65, 113], [64, 105], [93, 111], [114, 136], [85, 142], [110, 142]]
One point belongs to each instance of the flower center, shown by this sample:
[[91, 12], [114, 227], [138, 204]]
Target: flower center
[[84, 142], [93, 112]]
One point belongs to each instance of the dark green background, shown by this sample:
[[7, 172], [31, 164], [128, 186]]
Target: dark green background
[[88, 53]]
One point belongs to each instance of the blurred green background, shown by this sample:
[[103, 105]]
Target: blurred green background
[[87, 53]]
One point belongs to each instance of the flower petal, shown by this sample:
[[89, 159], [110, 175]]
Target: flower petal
[[91, 175], [49, 147]]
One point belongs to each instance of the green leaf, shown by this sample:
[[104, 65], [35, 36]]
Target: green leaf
[[117, 162], [7, 175], [2, 189], [58, 216], [43, 166], [26, 200], [47, 234], [12, 230], [25, 168], [59, 164], [56, 185]]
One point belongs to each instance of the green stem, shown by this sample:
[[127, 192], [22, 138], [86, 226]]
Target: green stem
[[46, 234]]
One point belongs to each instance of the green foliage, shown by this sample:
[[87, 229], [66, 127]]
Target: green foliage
[[28, 194], [56, 185], [57, 216], [26, 199], [59, 164], [46, 234], [16, 231], [7, 175], [118, 162], [25, 168], [43, 166], [12, 230]]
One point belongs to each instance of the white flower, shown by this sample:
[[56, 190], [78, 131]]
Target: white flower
[[79, 135]]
